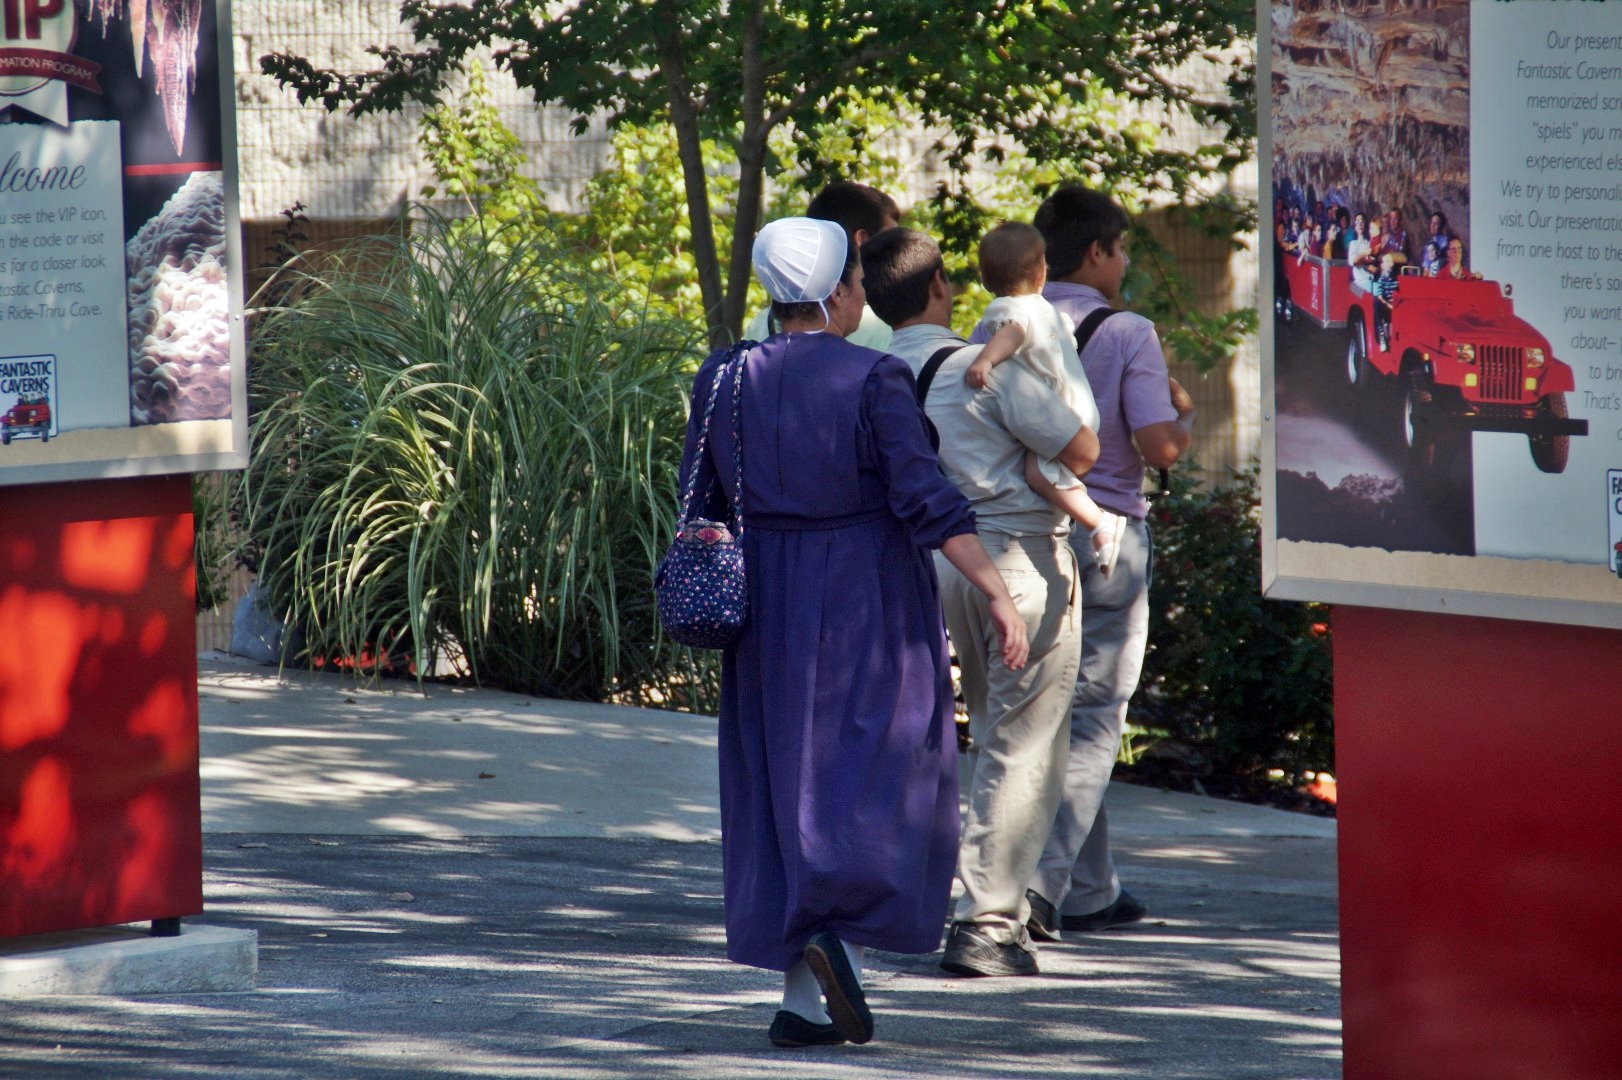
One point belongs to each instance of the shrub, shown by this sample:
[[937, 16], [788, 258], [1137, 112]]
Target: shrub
[[212, 539], [466, 445], [1241, 681]]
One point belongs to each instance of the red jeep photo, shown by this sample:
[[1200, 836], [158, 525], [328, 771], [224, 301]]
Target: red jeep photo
[[1466, 360], [30, 416]]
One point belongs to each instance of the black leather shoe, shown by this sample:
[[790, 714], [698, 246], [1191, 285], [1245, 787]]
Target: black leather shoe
[[792, 1029], [1126, 909], [1044, 921], [969, 952], [841, 989]]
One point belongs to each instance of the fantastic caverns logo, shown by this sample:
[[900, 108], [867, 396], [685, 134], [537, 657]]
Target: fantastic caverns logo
[[36, 57]]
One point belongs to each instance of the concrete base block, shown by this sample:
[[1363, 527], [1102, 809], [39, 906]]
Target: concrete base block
[[119, 960]]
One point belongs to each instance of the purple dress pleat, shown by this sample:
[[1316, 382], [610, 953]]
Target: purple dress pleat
[[839, 805]]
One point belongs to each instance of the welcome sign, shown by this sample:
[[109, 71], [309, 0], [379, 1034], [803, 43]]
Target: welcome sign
[[120, 314]]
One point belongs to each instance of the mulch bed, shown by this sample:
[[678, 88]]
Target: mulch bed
[[1299, 796]]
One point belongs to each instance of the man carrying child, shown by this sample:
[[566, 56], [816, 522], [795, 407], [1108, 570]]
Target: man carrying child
[[1018, 718], [1020, 324], [1075, 886]]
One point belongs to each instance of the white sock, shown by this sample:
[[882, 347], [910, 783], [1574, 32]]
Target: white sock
[[854, 954], [801, 994]]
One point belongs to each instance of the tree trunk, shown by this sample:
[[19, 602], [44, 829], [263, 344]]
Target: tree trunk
[[690, 148], [751, 171]]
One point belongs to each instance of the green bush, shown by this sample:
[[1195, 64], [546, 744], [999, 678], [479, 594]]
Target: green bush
[[1240, 683], [466, 445]]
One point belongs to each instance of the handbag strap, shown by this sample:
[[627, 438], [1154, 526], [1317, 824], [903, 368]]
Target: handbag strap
[[733, 364], [742, 350], [689, 488]]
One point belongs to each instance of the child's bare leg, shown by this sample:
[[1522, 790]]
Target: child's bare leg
[[1102, 527]]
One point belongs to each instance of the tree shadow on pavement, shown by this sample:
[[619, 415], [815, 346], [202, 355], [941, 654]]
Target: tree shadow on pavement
[[596, 958]]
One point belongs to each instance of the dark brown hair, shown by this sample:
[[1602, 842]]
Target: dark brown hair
[[1072, 220], [899, 264], [853, 206]]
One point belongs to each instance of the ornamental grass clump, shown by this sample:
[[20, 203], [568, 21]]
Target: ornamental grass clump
[[466, 449]]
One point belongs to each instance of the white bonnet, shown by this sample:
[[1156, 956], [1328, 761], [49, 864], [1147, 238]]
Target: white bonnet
[[800, 259]]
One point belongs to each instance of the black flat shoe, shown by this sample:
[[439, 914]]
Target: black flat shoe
[[970, 953], [792, 1029], [1043, 924], [841, 989], [1126, 909]]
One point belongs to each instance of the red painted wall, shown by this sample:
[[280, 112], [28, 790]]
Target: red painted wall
[[100, 819], [1480, 805]]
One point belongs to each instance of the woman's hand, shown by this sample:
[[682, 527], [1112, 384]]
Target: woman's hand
[[1010, 632], [965, 552]]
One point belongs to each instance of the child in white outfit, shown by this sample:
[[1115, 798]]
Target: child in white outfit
[[1025, 327]]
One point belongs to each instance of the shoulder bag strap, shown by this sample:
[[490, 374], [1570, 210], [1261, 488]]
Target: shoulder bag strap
[[932, 365], [690, 487], [1090, 325], [740, 358], [1084, 334], [734, 359]]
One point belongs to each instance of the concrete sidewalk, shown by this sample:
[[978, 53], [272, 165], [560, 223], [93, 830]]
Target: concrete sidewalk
[[472, 884]]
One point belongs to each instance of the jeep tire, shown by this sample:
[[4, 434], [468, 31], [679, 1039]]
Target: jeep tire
[[1359, 372], [1551, 452], [1418, 396]]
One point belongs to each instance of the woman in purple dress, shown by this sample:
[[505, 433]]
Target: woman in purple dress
[[838, 767]]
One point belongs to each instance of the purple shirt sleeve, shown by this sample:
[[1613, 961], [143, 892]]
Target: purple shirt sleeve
[[1145, 393]]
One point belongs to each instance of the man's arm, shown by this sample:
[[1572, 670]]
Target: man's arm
[[1034, 415], [1162, 445], [1080, 453]]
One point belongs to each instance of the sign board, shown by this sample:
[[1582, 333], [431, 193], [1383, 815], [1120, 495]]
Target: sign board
[[1442, 268], [121, 341]]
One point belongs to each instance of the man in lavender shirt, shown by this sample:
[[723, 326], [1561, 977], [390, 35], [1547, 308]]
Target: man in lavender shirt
[[1145, 420]]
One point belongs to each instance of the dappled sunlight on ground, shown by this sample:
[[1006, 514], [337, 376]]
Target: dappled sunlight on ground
[[466, 884], [285, 753]]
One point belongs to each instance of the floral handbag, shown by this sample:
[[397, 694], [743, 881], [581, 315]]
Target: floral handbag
[[701, 588]]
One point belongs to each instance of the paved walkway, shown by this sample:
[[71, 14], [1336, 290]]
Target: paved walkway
[[476, 884]]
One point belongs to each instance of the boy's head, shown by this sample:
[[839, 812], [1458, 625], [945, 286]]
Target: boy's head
[[1013, 259], [1388, 263], [862, 211], [1073, 219], [899, 265]]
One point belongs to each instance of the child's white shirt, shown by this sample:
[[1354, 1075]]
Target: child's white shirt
[[1049, 351]]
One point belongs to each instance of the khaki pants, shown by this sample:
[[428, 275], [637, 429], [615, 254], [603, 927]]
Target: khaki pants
[[1020, 723], [1077, 872]]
